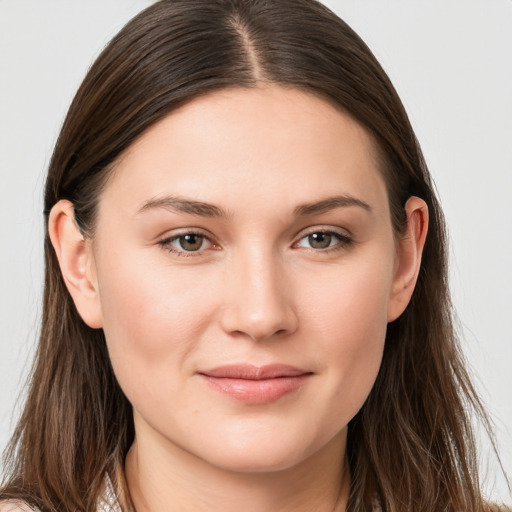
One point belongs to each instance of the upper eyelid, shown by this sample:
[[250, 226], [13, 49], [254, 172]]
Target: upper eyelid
[[343, 232], [171, 235], [168, 237]]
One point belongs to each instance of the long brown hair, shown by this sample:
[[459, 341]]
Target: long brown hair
[[411, 445]]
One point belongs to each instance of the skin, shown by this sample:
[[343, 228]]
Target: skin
[[259, 290]]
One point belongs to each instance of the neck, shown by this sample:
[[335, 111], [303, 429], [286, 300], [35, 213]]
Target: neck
[[169, 479]]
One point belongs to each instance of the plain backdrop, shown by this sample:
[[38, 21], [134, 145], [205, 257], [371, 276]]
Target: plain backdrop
[[451, 62]]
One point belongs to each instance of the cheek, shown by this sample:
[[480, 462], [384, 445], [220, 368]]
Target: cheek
[[350, 301], [152, 317], [348, 320]]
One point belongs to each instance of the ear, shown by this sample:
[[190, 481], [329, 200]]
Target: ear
[[409, 251], [76, 261]]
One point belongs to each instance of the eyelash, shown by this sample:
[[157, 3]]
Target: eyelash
[[166, 244], [343, 242]]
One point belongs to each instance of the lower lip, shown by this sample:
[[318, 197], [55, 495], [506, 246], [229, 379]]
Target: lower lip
[[257, 392]]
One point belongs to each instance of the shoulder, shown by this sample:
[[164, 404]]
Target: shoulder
[[15, 506]]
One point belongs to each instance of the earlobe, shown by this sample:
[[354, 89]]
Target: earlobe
[[409, 252], [76, 261]]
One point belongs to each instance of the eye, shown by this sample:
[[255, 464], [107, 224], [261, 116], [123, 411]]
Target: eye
[[186, 244], [190, 242], [322, 240]]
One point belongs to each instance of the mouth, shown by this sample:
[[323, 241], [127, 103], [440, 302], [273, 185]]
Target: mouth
[[256, 385]]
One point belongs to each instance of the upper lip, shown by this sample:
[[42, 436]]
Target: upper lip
[[252, 372]]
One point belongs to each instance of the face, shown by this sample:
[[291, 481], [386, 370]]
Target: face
[[244, 262]]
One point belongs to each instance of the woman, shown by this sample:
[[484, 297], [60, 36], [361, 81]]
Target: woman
[[243, 309]]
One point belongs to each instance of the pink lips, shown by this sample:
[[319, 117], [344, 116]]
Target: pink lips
[[256, 384]]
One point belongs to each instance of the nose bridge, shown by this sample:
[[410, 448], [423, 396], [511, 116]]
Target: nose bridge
[[258, 303]]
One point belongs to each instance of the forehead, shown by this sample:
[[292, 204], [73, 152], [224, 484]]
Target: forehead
[[271, 145]]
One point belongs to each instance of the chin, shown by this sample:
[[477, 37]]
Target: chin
[[257, 461], [277, 450]]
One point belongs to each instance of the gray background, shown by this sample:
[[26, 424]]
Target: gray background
[[451, 61]]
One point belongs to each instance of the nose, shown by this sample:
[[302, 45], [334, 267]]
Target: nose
[[258, 299]]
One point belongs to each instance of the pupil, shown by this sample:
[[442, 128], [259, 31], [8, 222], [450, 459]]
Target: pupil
[[320, 240], [191, 242]]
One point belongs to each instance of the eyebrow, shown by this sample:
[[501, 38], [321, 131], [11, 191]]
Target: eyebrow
[[183, 205], [203, 209], [330, 203]]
